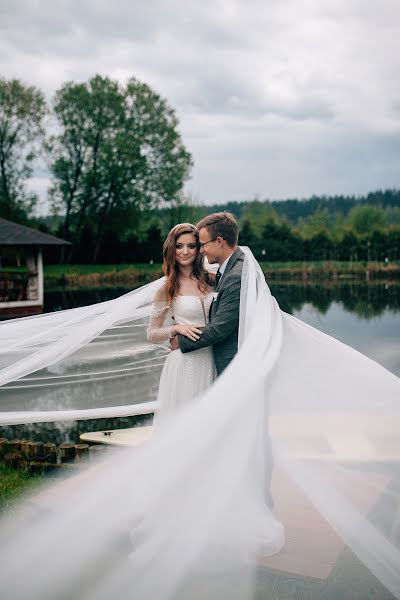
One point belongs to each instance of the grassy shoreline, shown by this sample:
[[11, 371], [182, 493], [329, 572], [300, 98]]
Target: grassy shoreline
[[14, 483], [139, 274]]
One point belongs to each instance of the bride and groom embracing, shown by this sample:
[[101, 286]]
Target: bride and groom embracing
[[203, 310], [203, 307]]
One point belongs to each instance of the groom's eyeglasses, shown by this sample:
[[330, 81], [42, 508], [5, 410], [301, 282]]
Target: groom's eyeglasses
[[207, 242]]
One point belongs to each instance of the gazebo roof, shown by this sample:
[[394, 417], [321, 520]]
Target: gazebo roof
[[13, 234]]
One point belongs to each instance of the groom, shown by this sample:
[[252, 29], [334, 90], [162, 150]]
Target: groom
[[218, 235]]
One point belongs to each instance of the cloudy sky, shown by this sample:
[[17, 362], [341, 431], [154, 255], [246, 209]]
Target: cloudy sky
[[282, 98]]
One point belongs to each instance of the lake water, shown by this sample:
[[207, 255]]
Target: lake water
[[365, 316]]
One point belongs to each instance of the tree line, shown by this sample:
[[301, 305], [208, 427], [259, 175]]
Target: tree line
[[364, 234], [332, 229], [118, 166], [368, 230]]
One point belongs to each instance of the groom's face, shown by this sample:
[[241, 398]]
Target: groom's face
[[211, 247]]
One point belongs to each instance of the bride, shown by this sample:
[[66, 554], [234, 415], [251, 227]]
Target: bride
[[184, 301]]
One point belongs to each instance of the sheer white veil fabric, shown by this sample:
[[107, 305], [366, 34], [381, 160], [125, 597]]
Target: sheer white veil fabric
[[185, 515], [81, 363]]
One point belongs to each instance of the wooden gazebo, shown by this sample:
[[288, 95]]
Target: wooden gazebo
[[21, 283]]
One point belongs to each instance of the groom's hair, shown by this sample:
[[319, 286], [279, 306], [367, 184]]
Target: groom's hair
[[221, 224]]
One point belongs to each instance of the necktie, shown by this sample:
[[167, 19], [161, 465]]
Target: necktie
[[218, 277]]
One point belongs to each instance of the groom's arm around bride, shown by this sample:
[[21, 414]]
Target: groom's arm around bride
[[222, 331]]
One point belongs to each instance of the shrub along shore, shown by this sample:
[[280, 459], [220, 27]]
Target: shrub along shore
[[139, 274]]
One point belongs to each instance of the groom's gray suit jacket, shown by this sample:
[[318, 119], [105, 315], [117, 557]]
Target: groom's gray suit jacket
[[222, 331]]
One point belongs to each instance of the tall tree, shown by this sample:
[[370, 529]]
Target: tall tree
[[88, 115], [320, 221], [367, 218], [22, 109], [247, 237], [118, 148], [281, 243], [348, 246], [258, 215]]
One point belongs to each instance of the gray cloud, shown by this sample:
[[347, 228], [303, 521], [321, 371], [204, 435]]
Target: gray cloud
[[283, 99]]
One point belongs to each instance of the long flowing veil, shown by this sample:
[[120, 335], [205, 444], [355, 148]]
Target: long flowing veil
[[186, 514]]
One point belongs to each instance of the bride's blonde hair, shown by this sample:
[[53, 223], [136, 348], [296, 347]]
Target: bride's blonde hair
[[171, 267]]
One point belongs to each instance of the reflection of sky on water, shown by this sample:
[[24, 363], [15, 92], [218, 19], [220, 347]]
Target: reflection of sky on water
[[378, 337]]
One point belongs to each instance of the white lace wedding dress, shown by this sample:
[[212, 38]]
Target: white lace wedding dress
[[184, 376]]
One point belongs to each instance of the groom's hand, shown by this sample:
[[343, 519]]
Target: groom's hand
[[173, 342]]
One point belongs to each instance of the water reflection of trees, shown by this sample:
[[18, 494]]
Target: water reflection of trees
[[366, 300], [62, 298]]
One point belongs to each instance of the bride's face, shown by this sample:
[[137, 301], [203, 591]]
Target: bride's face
[[186, 249]]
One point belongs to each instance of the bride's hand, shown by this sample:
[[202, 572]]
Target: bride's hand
[[190, 331]]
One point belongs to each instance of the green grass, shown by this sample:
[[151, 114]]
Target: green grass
[[54, 271], [60, 270], [91, 276], [100, 275], [14, 269], [321, 264], [13, 483]]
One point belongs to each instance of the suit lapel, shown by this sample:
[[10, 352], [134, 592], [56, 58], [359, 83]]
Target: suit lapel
[[232, 259]]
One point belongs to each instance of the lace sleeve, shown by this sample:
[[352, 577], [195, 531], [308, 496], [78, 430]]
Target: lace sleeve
[[156, 333]]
